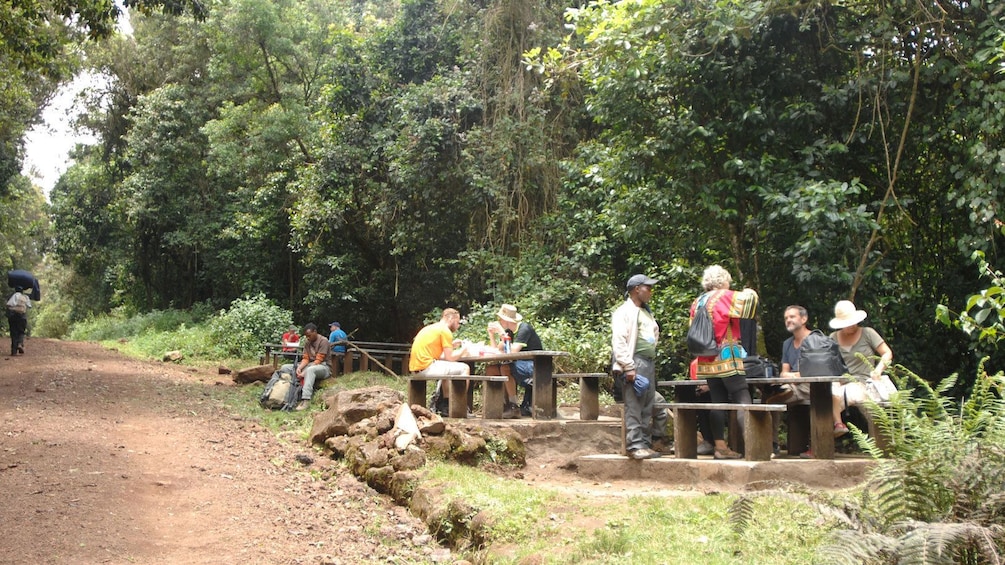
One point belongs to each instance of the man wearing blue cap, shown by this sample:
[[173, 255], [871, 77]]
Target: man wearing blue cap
[[337, 336], [634, 333]]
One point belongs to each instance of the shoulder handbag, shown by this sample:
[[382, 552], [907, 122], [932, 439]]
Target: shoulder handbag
[[701, 334]]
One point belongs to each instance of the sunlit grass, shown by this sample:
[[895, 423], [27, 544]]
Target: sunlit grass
[[539, 524]]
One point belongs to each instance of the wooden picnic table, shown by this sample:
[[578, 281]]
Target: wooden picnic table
[[545, 405], [821, 429]]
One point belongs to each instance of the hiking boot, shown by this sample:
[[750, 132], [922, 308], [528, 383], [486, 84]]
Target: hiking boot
[[840, 429], [662, 445], [511, 411], [526, 412], [779, 396], [303, 405], [442, 406], [706, 448]]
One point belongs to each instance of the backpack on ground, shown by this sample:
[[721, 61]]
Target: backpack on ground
[[701, 335], [820, 356], [282, 392]]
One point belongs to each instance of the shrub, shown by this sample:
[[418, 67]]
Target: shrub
[[119, 325], [250, 322]]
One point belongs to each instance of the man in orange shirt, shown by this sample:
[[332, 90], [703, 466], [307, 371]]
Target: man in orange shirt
[[435, 353]]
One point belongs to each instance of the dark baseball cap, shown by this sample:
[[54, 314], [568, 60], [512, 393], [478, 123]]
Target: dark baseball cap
[[636, 280]]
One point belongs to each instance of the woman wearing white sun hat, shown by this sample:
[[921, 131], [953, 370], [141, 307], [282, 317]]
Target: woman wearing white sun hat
[[859, 347]]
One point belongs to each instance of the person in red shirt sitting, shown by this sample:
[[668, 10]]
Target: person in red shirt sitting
[[291, 343]]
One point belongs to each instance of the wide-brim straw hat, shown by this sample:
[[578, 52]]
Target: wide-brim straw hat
[[845, 314], [508, 312]]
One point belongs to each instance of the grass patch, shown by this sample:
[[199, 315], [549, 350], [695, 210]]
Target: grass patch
[[543, 525]]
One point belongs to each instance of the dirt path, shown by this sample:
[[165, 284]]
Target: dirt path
[[105, 459]]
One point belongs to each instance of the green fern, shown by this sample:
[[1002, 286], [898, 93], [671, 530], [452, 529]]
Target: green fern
[[935, 494]]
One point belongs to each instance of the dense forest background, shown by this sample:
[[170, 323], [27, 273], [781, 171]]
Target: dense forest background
[[373, 162]]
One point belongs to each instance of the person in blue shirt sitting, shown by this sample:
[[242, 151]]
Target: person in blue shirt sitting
[[337, 336]]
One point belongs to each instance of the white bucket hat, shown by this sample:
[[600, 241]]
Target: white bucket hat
[[846, 315], [508, 312]]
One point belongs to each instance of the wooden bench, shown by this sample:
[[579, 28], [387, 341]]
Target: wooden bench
[[757, 429], [493, 401], [371, 355], [818, 435], [589, 393], [274, 353]]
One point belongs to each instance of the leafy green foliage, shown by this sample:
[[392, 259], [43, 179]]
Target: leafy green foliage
[[984, 314], [933, 497], [241, 330], [120, 325], [373, 163]]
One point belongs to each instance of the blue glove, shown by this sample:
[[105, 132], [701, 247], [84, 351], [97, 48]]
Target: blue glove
[[641, 384]]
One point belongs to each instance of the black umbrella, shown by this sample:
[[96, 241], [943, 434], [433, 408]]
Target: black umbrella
[[24, 279]]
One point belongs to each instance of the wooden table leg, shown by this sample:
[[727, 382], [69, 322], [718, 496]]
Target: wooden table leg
[[589, 398], [685, 433], [734, 431], [821, 420], [458, 405], [545, 399], [417, 392]]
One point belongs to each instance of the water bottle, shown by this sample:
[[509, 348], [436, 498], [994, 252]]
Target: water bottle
[[506, 340]]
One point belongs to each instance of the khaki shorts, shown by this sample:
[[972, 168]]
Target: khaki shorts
[[851, 394]]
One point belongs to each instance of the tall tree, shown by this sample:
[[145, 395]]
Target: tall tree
[[800, 143]]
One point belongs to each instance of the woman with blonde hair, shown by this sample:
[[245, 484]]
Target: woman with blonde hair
[[727, 381]]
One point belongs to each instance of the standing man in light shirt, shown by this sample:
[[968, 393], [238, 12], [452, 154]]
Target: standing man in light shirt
[[634, 334]]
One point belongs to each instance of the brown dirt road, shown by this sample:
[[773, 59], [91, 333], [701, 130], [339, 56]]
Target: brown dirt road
[[105, 459]]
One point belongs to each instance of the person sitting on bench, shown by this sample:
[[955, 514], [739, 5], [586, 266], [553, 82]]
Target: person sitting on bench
[[434, 352], [522, 337]]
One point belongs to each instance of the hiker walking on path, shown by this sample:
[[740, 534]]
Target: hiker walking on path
[[17, 318]]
